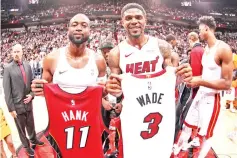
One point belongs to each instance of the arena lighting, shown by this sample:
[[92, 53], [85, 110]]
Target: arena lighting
[[215, 13], [14, 10]]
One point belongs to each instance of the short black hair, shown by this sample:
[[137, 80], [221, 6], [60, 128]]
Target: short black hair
[[170, 37], [132, 5], [207, 20], [106, 45]]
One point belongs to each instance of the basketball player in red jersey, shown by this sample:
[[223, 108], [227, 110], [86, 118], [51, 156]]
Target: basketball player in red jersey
[[216, 75], [139, 53]]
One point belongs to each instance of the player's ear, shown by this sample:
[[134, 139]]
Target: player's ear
[[145, 21], [122, 21]]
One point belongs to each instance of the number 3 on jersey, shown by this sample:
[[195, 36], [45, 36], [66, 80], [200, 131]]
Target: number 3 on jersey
[[70, 135], [154, 119]]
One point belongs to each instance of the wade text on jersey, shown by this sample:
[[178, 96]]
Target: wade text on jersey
[[153, 98], [75, 115], [142, 67]]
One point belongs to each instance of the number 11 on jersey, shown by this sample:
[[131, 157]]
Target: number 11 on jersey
[[70, 136]]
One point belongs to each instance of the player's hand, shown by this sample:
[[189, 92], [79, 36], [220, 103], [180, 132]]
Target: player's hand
[[113, 85], [195, 82], [28, 99], [14, 114], [118, 108], [106, 104], [37, 87], [185, 72]]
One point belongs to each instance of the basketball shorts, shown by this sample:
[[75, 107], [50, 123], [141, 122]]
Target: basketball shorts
[[203, 113]]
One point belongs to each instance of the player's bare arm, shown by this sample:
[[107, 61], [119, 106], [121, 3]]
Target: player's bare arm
[[47, 76], [101, 65], [170, 58], [183, 71], [224, 59], [175, 59], [113, 85], [114, 58], [165, 50]]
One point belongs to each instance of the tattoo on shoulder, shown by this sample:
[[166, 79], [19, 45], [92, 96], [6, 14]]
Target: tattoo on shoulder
[[165, 48]]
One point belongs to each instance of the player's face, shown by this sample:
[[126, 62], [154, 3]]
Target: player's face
[[17, 53], [134, 22], [79, 30], [203, 32], [105, 52]]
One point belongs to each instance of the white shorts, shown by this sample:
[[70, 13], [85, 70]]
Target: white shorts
[[203, 113], [229, 94]]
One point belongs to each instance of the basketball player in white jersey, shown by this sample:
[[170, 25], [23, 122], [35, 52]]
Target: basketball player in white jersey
[[216, 75], [74, 65], [139, 53]]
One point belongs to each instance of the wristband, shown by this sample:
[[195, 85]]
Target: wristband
[[120, 98]]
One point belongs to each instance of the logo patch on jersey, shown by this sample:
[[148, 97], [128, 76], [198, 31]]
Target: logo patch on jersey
[[73, 102], [142, 67], [127, 55], [149, 85], [62, 71]]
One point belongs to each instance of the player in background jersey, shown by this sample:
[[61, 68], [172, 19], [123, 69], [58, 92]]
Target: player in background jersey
[[76, 55], [216, 75], [134, 21]]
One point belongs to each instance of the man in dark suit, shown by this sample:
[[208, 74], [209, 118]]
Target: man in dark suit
[[17, 88]]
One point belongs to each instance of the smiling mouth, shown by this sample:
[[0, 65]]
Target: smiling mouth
[[135, 28]]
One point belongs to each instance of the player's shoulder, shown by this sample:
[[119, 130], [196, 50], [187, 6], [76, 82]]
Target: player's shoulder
[[115, 50], [52, 57], [53, 54], [160, 41], [223, 46]]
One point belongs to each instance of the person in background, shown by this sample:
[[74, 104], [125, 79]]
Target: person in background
[[195, 56], [109, 109], [171, 39], [18, 96], [6, 136]]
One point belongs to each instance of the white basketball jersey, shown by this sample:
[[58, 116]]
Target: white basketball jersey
[[148, 114], [74, 80], [144, 61], [211, 71]]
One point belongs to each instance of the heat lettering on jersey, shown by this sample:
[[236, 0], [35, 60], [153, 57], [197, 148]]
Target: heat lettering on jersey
[[142, 67], [75, 115], [150, 99]]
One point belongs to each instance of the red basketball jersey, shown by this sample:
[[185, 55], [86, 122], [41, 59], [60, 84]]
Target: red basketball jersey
[[75, 121]]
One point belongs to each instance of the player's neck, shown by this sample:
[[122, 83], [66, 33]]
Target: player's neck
[[77, 50], [211, 40], [138, 42]]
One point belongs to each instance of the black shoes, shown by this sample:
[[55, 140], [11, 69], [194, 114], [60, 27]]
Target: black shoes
[[30, 151], [38, 143]]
